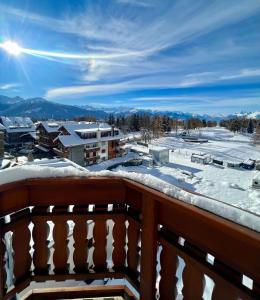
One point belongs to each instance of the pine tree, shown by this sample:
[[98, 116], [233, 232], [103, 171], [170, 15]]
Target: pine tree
[[250, 127]]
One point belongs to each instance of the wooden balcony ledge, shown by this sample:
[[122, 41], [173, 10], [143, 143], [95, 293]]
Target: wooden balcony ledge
[[89, 229]]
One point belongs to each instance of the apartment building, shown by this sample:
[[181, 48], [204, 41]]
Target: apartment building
[[88, 143], [16, 127], [47, 132]]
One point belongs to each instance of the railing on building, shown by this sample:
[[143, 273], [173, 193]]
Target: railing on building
[[148, 233]]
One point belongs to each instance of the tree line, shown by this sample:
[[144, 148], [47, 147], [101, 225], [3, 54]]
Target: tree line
[[240, 124]]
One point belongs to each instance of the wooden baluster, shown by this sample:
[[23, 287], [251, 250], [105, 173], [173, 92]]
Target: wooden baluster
[[80, 241], [40, 235], [100, 254], [169, 265], [193, 280], [2, 263], [133, 233], [21, 248], [149, 248], [60, 235], [224, 291], [119, 234]]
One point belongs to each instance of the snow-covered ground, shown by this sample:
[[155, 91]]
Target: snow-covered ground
[[229, 185]]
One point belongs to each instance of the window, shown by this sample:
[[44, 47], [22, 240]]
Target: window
[[87, 135], [103, 151], [105, 133]]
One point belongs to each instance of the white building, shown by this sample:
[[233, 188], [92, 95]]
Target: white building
[[87, 143], [160, 155]]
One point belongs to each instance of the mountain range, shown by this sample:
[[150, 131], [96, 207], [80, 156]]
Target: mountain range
[[40, 109]]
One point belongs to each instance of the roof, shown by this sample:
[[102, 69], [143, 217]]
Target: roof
[[73, 139], [51, 126], [55, 163], [17, 124], [157, 148], [86, 127]]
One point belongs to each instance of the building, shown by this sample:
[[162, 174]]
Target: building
[[46, 133], [200, 158], [88, 143], [160, 155], [14, 128], [248, 164]]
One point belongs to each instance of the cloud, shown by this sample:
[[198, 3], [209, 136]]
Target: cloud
[[243, 73], [9, 86], [142, 3], [175, 44]]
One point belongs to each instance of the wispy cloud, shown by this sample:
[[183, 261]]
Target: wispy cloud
[[142, 44], [243, 73], [142, 3], [9, 86]]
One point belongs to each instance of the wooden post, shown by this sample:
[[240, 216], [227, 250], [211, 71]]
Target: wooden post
[[2, 271], [149, 248]]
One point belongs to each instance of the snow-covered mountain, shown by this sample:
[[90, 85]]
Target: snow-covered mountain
[[39, 108], [249, 115]]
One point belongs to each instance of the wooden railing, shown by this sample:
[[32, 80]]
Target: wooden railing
[[121, 229]]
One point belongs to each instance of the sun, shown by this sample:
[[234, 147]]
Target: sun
[[12, 48]]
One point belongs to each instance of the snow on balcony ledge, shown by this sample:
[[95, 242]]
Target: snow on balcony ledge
[[225, 210]]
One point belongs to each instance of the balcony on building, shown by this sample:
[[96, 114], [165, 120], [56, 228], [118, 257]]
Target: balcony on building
[[78, 237]]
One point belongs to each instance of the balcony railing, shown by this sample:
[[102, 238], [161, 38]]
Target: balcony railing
[[100, 228]]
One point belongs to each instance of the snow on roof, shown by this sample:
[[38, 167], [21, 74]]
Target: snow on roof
[[55, 163], [75, 140], [222, 209], [2, 127], [50, 126], [17, 124], [157, 148]]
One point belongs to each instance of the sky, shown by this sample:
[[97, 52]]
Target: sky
[[198, 56]]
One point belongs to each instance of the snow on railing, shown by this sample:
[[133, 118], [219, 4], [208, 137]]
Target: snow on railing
[[225, 210]]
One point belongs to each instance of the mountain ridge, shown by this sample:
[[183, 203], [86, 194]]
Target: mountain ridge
[[40, 108]]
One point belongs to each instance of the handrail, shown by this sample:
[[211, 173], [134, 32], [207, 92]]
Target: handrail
[[138, 212]]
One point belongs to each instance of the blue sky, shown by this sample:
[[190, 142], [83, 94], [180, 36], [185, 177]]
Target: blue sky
[[193, 56]]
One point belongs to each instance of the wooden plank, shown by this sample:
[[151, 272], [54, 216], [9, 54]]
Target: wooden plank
[[21, 247], [119, 235], [233, 244], [100, 254], [13, 199], [79, 292], [169, 264], [80, 244], [60, 235], [133, 233], [149, 248], [40, 235]]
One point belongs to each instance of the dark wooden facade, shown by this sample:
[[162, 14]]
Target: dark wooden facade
[[149, 224], [46, 138]]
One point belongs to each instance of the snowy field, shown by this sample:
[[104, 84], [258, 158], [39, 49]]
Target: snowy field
[[222, 183]]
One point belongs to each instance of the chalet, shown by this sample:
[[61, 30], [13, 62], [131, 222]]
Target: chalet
[[14, 128], [88, 143], [46, 133]]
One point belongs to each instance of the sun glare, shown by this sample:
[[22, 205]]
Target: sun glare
[[12, 48]]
